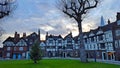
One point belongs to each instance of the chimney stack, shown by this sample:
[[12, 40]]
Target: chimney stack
[[108, 21], [24, 35], [118, 16], [16, 37]]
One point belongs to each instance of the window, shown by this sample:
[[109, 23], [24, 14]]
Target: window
[[92, 39], [30, 41], [90, 47], [85, 40], [33, 35], [23, 54], [14, 48], [94, 46], [59, 41], [21, 48], [8, 55], [118, 22], [22, 43], [102, 46], [117, 32], [100, 37], [116, 44], [50, 41], [69, 40], [8, 48]]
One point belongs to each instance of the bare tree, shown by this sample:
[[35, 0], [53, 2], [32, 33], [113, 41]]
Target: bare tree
[[77, 9], [6, 7]]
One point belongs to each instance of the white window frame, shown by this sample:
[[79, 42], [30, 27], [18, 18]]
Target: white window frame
[[23, 54], [8, 54], [8, 48], [21, 49]]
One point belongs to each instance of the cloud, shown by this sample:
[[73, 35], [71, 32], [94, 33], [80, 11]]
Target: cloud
[[30, 16]]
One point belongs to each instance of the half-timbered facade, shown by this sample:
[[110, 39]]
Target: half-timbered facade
[[100, 43]]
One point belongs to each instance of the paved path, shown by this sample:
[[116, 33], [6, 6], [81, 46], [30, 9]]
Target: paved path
[[98, 60], [107, 61]]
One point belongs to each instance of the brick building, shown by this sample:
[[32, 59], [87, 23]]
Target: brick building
[[18, 47]]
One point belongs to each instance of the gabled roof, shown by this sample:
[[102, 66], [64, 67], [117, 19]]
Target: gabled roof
[[76, 39], [68, 36], [55, 37], [34, 33], [9, 39], [107, 27], [12, 39]]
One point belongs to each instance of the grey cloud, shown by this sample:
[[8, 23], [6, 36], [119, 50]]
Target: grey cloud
[[43, 13]]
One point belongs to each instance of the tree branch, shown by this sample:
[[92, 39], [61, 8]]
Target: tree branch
[[95, 5]]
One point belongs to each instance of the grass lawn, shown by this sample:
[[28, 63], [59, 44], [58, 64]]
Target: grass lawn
[[53, 63]]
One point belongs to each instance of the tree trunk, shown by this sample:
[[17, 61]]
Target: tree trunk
[[83, 56], [35, 61]]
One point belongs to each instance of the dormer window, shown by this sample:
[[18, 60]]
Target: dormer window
[[33, 35]]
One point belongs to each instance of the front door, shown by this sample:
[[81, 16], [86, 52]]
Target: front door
[[104, 56]]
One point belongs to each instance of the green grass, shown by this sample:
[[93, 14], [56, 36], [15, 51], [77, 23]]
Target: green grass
[[53, 63]]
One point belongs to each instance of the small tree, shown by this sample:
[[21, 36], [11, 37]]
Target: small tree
[[35, 52]]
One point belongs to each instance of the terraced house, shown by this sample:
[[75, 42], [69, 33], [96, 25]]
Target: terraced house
[[56, 46], [103, 42], [18, 47]]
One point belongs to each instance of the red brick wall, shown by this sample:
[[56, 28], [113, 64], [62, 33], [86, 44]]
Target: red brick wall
[[11, 51]]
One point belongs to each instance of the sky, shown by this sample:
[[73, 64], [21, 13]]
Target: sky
[[30, 15]]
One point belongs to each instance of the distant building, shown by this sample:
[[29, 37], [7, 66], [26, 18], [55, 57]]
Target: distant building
[[43, 47], [69, 45], [54, 45], [103, 42], [117, 37]]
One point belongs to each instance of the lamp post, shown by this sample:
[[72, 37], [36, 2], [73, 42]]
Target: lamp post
[[64, 51], [94, 54]]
